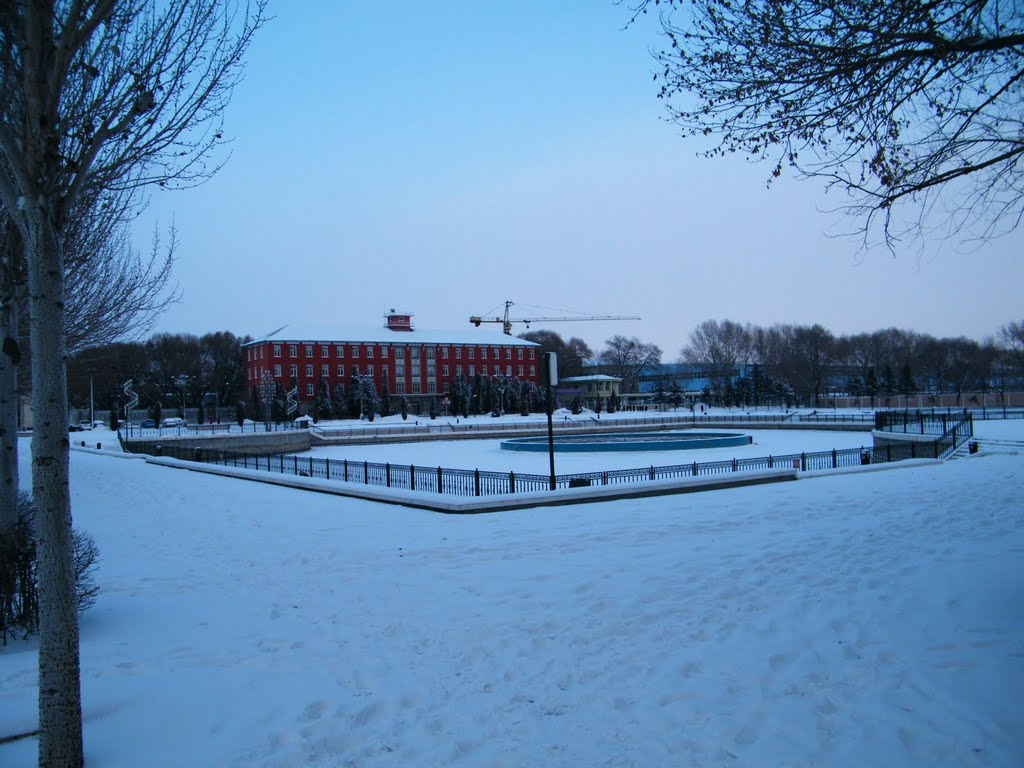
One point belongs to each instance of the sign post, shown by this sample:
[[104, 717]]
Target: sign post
[[550, 371]]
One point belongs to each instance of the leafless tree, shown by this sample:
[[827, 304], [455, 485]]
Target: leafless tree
[[719, 347], [627, 358], [895, 102], [94, 95]]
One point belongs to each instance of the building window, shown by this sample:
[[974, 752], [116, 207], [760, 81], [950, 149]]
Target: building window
[[369, 370], [496, 355], [431, 387], [444, 353], [309, 350], [399, 352], [384, 372], [355, 351], [431, 370], [277, 371], [483, 354], [533, 370], [293, 371], [508, 353], [430, 353], [277, 350], [309, 370], [341, 352], [472, 370], [519, 353], [444, 371], [445, 387], [293, 350], [458, 370], [400, 369], [532, 352], [399, 387], [472, 353], [458, 353], [341, 371], [508, 370], [309, 390], [355, 370], [415, 369], [325, 351], [416, 387], [369, 353], [325, 371], [384, 352], [520, 371]]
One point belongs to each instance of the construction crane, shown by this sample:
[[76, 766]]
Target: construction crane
[[506, 321]]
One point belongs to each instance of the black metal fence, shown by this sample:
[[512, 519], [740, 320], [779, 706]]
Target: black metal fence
[[921, 422], [475, 482]]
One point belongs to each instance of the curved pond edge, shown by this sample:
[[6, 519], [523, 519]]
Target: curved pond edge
[[622, 442]]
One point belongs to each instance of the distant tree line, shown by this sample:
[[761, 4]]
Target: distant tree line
[[803, 364], [169, 372]]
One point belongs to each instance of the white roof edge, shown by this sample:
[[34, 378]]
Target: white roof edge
[[383, 335]]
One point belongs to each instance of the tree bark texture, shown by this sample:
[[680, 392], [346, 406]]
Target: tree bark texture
[[60, 708]]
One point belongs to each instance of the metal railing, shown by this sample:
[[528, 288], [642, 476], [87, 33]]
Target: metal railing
[[475, 482]]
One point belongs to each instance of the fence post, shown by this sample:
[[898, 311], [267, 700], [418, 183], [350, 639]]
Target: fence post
[[835, 459], [771, 463], [604, 478], [327, 467], [345, 467], [412, 477], [888, 452], [366, 473], [803, 462], [476, 481], [440, 481], [735, 465], [511, 482], [913, 450], [295, 465], [387, 474], [695, 469]]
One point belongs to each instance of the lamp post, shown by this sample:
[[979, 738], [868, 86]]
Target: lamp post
[[550, 370], [92, 410]]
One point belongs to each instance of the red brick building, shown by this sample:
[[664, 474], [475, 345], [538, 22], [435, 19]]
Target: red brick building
[[411, 362]]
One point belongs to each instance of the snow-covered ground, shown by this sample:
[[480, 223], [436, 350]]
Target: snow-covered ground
[[838, 621]]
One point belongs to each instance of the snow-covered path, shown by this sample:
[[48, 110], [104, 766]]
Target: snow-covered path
[[837, 621]]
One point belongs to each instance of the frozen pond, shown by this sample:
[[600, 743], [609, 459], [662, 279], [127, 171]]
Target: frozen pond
[[488, 455]]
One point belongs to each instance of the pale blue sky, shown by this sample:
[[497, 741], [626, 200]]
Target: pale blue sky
[[443, 157]]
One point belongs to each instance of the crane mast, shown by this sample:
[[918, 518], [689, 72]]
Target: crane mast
[[507, 320]]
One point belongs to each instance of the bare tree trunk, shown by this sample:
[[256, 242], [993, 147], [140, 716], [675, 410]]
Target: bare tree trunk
[[60, 704], [8, 416]]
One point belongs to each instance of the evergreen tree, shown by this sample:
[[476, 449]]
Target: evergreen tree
[[354, 399], [323, 408], [339, 401], [477, 398], [675, 395], [660, 397], [403, 407], [907, 386], [279, 405], [576, 406], [889, 385], [433, 407], [598, 404], [240, 412], [385, 400], [871, 385]]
